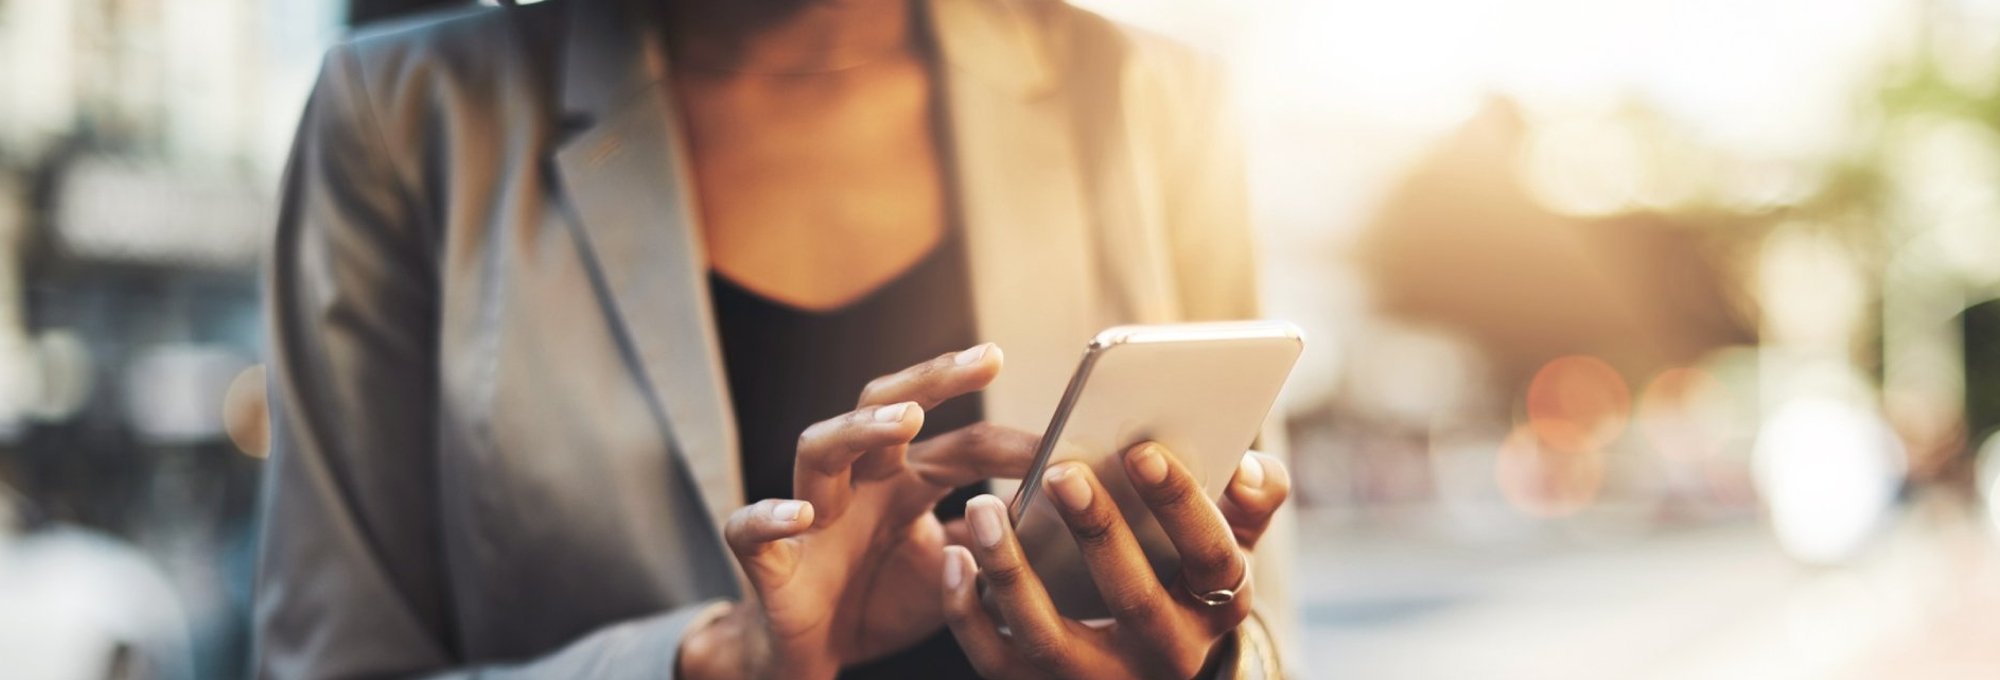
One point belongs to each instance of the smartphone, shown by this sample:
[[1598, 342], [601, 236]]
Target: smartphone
[[1202, 390]]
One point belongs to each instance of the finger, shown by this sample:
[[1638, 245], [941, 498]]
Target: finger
[[928, 384], [757, 535], [941, 378], [1041, 636], [1259, 487], [974, 453], [1119, 568], [1210, 559], [969, 622], [828, 449]]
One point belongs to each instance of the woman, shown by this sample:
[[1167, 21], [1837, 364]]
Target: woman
[[557, 290]]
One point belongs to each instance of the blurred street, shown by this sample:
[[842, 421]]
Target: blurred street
[[1716, 601]]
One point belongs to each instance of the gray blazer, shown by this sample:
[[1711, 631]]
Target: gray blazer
[[502, 444]]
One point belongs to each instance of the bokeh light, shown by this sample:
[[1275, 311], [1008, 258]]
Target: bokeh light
[[244, 415], [1578, 404], [1828, 472]]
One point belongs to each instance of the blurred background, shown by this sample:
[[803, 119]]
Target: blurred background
[[1651, 338]]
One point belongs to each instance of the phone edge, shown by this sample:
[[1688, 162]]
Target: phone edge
[[1025, 493]]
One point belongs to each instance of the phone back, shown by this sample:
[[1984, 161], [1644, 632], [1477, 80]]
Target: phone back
[[1201, 390]]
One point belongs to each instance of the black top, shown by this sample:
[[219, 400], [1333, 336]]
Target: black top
[[789, 368]]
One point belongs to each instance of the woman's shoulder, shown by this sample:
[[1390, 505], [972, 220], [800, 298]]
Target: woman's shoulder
[[464, 50]]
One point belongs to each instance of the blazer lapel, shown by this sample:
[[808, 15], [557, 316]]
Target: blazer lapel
[[625, 179], [1021, 200]]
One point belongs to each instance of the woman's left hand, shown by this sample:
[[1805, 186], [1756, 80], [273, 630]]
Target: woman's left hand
[[1161, 629]]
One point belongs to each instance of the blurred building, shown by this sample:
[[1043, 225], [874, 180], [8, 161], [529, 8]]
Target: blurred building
[[140, 144]]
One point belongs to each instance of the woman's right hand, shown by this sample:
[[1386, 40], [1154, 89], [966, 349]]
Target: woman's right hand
[[849, 570]]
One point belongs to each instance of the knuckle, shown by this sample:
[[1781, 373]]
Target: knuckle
[[857, 417], [1093, 531], [1005, 576], [996, 448], [741, 517], [929, 372], [980, 436], [1177, 499], [940, 361]]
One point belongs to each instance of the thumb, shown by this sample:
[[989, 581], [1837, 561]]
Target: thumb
[[761, 537]]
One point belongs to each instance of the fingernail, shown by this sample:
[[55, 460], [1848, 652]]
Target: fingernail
[[892, 413], [787, 511], [970, 354], [1069, 486], [954, 571], [1250, 472], [1149, 464], [984, 515]]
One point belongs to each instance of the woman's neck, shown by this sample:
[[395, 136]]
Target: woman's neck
[[786, 36]]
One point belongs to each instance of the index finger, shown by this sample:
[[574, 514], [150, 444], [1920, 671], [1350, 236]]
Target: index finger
[[942, 377], [1210, 558], [823, 471]]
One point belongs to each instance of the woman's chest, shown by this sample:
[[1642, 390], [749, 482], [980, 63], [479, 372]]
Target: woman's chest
[[815, 190]]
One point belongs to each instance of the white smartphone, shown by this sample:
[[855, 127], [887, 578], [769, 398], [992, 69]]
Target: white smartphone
[[1202, 390]]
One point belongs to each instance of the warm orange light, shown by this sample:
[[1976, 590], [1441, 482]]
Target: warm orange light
[[244, 415], [1578, 404]]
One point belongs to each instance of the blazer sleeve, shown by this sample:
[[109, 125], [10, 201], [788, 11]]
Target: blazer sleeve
[[1208, 218], [351, 579]]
